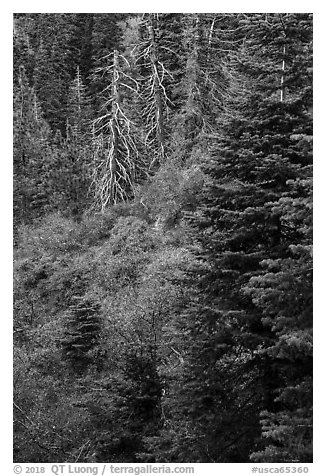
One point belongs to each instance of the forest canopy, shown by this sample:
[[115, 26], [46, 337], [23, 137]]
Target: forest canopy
[[162, 237]]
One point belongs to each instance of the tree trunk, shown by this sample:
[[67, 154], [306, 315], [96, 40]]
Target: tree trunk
[[157, 92], [282, 76], [114, 146]]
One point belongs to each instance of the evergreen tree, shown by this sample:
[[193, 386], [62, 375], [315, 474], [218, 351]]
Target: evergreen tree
[[82, 335], [136, 415], [81, 44], [70, 176], [23, 51], [241, 228], [196, 91], [106, 37], [31, 154], [55, 66], [203, 83]]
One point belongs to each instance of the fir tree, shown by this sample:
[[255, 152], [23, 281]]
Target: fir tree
[[81, 45], [70, 176], [55, 66], [23, 51], [82, 334], [106, 37], [241, 227], [31, 154]]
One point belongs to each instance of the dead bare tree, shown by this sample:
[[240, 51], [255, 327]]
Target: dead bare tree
[[115, 149], [153, 92]]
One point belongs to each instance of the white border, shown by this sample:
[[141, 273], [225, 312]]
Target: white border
[[319, 197]]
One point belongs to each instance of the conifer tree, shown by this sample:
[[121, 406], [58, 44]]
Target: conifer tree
[[203, 85], [81, 45], [136, 416], [106, 37], [244, 227], [23, 51], [55, 66], [70, 177], [283, 290], [31, 153], [82, 334]]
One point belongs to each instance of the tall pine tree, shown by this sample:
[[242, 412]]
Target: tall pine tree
[[32, 160], [247, 358]]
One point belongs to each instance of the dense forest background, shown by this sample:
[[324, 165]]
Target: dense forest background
[[163, 237]]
